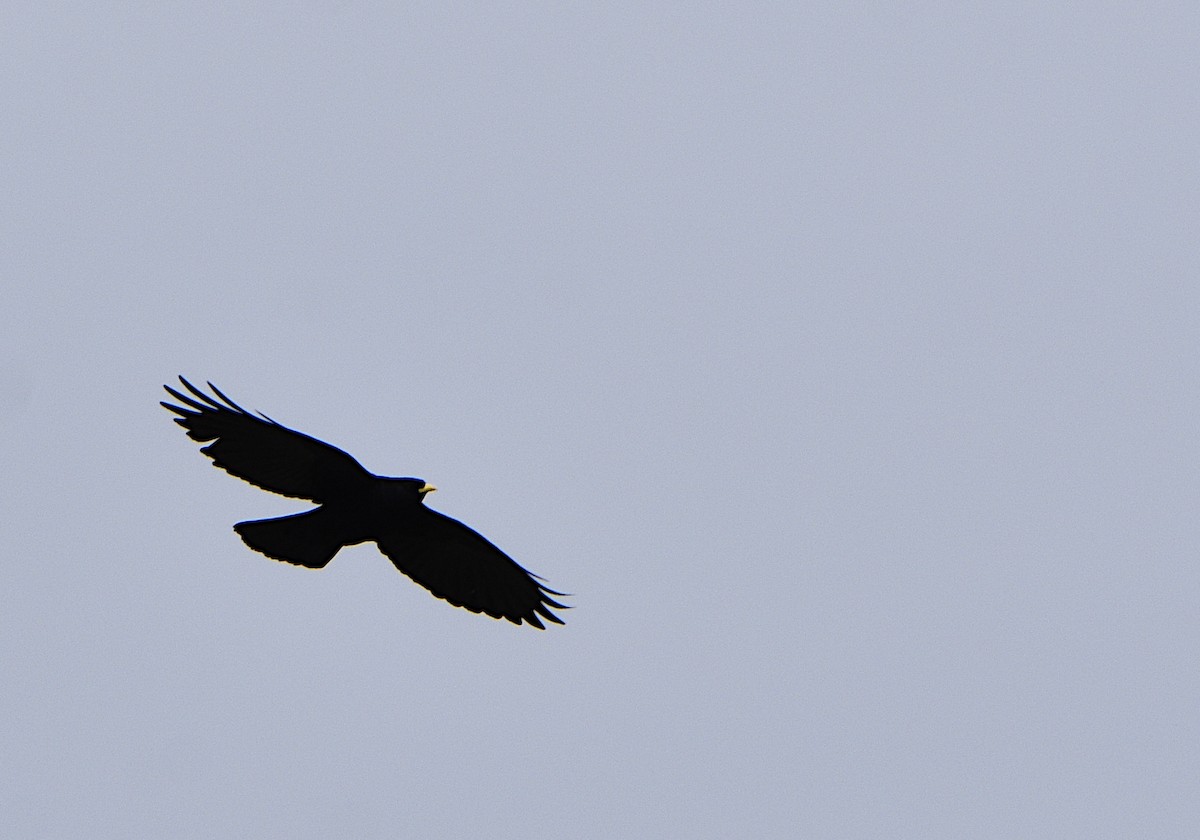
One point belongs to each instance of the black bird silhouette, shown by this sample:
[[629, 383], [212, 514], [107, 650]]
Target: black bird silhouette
[[442, 554]]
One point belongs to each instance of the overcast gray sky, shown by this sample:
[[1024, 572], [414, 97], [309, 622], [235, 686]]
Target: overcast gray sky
[[842, 361]]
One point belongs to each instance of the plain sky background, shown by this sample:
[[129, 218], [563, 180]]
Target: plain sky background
[[841, 360]]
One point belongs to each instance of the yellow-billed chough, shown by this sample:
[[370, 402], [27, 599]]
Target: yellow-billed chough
[[442, 554]]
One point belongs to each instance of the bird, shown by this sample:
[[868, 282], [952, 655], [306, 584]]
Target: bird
[[451, 560]]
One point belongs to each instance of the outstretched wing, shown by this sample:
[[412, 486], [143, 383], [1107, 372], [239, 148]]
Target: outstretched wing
[[459, 565], [262, 452]]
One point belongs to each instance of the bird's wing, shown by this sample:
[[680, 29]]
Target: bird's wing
[[459, 565], [262, 452]]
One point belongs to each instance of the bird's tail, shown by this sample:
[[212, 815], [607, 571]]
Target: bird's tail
[[306, 539]]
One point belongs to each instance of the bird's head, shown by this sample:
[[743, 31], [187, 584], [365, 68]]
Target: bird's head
[[408, 490]]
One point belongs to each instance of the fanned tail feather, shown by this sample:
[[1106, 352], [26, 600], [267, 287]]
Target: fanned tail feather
[[307, 539]]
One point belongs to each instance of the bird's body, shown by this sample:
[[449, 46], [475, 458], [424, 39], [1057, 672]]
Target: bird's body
[[445, 556]]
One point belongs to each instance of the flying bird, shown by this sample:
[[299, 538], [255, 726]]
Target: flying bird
[[442, 554]]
